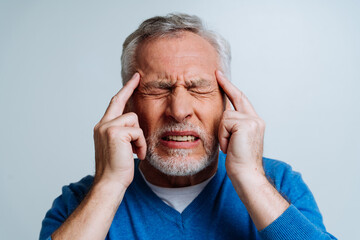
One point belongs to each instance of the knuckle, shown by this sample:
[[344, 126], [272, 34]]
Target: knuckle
[[115, 99], [132, 115], [262, 123], [96, 131], [111, 132], [227, 114], [253, 124], [138, 131], [237, 101], [256, 123], [242, 95], [96, 127], [101, 129]]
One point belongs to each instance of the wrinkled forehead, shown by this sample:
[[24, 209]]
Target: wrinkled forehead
[[183, 41], [164, 83], [187, 57]]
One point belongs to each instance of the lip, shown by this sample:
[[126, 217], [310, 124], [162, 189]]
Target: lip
[[180, 133], [180, 145]]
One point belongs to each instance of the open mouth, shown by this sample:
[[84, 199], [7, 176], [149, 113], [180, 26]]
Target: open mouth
[[180, 138]]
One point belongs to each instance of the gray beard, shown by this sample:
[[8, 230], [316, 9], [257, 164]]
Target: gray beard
[[178, 161]]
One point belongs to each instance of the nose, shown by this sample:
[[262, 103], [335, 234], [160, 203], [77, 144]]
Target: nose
[[180, 105]]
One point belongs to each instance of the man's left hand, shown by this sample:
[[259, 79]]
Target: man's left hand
[[241, 132], [241, 137]]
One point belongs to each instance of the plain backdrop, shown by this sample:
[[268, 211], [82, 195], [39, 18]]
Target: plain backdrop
[[297, 61]]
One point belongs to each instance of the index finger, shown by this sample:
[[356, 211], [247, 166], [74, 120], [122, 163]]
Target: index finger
[[118, 102], [237, 97]]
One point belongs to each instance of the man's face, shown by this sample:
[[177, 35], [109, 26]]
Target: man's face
[[179, 103]]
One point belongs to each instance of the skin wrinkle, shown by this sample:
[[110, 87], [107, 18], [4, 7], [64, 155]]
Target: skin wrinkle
[[255, 141], [198, 85], [179, 164], [174, 59], [178, 85]]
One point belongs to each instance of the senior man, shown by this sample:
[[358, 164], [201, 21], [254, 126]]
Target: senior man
[[176, 108]]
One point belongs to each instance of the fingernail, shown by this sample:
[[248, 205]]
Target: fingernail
[[135, 75]]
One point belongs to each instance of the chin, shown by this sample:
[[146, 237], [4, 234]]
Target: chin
[[181, 157], [180, 162]]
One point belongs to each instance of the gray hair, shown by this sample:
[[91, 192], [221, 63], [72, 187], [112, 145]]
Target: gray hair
[[170, 25]]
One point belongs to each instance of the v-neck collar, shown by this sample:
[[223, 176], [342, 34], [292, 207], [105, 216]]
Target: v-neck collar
[[201, 202]]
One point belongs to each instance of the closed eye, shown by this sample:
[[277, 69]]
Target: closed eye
[[155, 92], [199, 92], [202, 90]]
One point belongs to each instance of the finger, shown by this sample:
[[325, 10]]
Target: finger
[[138, 141], [119, 135], [140, 147], [224, 137], [225, 132], [126, 120], [118, 102], [237, 98], [228, 104], [230, 126]]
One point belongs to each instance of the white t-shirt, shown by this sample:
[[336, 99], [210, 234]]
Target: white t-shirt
[[178, 198]]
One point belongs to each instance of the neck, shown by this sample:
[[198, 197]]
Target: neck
[[155, 177]]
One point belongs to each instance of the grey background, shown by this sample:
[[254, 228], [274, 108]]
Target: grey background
[[297, 61]]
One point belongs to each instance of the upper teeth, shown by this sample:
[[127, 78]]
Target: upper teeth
[[181, 138]]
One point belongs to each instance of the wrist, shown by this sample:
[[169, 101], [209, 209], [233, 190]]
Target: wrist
[[246, 173], [116, 180], [249, 179], [109, 188]]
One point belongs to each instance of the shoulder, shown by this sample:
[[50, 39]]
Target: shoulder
[[81, 186], [277, 170], [74, 193], [79, 189], [287, 181], [64, 205]]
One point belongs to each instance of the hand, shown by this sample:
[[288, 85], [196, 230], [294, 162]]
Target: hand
[[241, 132], [117, 136], [241, 136]]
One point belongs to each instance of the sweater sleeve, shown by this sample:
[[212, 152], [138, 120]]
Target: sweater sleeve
[[302, 220], [63, 206]]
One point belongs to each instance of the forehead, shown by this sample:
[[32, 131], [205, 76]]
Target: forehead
[[182, 57]]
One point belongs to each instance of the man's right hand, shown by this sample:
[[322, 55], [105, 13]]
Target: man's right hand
[[117, 136]]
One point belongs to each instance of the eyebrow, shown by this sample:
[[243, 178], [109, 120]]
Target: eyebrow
[[163, 84], [166, 84], [200, 82]]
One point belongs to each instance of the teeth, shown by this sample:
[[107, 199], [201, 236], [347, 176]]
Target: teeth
[[181, 138]]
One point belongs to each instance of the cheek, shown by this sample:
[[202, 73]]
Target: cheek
[[210, 112], [149, 114]]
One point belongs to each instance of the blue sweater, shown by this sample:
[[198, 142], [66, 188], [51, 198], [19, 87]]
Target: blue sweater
[[217, 213]]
